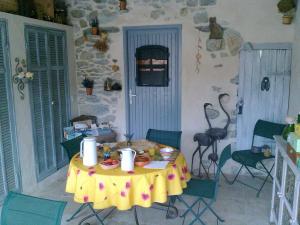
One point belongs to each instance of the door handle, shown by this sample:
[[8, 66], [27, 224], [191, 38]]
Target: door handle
[[240, 106], [130, 96]]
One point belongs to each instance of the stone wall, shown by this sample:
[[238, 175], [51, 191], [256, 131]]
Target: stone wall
[[209, 67]]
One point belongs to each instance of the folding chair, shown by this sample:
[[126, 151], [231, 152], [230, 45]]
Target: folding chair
[[72, 147], [170, 138], [173, 139], [205, 189], [248, 159], [19, 209]]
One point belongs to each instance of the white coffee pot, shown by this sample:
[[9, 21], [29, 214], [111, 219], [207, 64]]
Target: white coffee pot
[[127, 159], [88, 151]]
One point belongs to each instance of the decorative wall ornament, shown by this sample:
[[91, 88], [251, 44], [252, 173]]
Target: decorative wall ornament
[[123, 4], [216, 31], [102, 43], [22, 76], [198, 55], [114, 66]]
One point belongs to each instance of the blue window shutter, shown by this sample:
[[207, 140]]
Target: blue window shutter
[[41, 102], [46, 57], [58, 80], [8, 158]]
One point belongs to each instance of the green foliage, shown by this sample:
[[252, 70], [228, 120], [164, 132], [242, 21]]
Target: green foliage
[[87, 83], [285, 5], [94, 22]]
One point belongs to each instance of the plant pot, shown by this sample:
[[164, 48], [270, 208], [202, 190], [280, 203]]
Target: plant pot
[[122, 5], [287, 19], [94, 30], [89, 91]]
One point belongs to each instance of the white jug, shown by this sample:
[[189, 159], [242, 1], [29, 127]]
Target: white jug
[[127, 159], [88, 151]]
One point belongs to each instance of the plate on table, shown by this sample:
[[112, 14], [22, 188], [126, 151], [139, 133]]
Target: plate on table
[[109, 164], [141, 160]]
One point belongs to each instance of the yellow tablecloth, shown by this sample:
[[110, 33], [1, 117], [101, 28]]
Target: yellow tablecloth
[[107, 188]]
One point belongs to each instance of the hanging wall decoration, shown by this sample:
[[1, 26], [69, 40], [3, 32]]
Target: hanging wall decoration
[[198, 55], [22, 76], [102, 43]]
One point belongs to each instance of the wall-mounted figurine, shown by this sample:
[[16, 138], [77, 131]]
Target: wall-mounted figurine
[[123, 4], [216, 31], [114, 66]]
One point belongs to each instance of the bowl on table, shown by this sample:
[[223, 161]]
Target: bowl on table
[[166, 152]]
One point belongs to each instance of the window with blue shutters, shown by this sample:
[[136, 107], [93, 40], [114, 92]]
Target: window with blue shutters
[[9, 167], [46, 58]]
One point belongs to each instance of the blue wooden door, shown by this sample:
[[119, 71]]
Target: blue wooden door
[[150, 106], [9, 167], [274, 63]]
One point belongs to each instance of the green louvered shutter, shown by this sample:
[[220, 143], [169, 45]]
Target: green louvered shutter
[[9, 179], [56, 43], [46, 58]]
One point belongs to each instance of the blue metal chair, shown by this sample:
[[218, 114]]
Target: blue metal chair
[[72, 146], [170, 138], [205, 189], [19, 209], [248, 159]]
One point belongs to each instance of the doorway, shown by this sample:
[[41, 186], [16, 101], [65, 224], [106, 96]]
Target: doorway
[[263, 92], [153, 83]]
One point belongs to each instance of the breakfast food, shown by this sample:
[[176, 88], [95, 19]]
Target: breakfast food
[[141, 160]]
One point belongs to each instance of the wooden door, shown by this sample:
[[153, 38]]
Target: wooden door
[[155, 107], [272, 62]]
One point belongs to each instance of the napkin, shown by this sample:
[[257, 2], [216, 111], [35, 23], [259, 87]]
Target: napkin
[[157, 165]]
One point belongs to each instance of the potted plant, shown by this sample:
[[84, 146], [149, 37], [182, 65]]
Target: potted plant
[[94, 24], [287, 17], [123, 4], [88, 84]]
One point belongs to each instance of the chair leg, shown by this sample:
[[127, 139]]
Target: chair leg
[[94, 213], [194, 153], [136, 216], [236, 176], [190, 209], [211, 209], [265, 180], [250, 172], [76, 212]]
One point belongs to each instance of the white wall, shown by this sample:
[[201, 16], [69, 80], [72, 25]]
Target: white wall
[[16, 37], [294, 107]]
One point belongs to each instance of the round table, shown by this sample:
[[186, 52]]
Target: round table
[[123, 190]]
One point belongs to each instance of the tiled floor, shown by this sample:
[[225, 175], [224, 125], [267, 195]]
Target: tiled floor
[[237, 204]]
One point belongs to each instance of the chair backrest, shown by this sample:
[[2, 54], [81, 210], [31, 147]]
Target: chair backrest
[[72, 146], [19, 209], [170, 138], [267, 129], [225, 155]]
